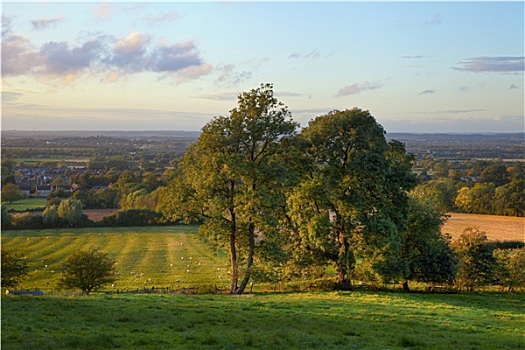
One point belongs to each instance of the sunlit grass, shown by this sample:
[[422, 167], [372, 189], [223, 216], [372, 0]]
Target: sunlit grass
[[27, 204], [172, 256]]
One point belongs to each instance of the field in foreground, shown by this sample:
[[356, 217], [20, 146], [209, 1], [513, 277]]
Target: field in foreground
[[330, 320], [503, 228]]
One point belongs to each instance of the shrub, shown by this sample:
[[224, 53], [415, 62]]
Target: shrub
[[14, 268], [132, 217], [88, 270]]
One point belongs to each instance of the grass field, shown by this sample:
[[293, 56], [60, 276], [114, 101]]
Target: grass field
[[163, 256], [504, 228], [27, 204], [328, 320]]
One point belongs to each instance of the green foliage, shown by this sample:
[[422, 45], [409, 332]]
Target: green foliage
[[132, 217], [426, 252], [351, 205], [14, 268], [510, 198], [11, 193], [234, 178], [477, 264], [511, 267], [67, 214], [88, 270]]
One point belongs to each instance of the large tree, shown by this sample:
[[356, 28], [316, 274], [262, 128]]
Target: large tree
[[234, 179], [352, 207]]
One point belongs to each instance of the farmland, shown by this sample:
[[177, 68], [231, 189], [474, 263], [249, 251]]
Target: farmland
[[177, 256], [158, 256], [502, 228]]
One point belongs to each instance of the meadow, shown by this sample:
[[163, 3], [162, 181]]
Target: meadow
[[177, 256], [326, 320], [27, 204], [163, 256]]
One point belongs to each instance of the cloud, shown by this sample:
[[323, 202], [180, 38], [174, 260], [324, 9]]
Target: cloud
[[459, 111], [44, 23], [500, 64], [57, 58], [357, 88], [223, 96], [230, 76], [434, 21], [428, 91], [412, 57], [102, 10], [162, 18], [129, 53], [312, 54], [18, 57], [105, 55], [10, 96], [7, 24], [513, 86]]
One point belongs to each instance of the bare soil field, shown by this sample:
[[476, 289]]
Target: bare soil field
[[497, 228], [98, 214]]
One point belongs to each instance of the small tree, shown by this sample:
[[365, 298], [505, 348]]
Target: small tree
[[477, 264], [11, 193], [88, 270], [14, 268], [511, 267]]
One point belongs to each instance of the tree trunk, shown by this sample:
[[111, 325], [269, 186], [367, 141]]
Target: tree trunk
[[233, 254], [249, 263], [405, 286]]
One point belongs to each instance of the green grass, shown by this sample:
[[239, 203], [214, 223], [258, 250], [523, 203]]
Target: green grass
[[27, 204], [167, 256], [329, 320]]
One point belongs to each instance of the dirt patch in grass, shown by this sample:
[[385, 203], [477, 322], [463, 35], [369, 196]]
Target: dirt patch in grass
[[500, 228], [98, 214]]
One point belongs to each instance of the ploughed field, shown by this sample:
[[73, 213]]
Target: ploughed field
[[497, 228]]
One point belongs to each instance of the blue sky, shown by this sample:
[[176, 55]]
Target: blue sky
[[416, 66]]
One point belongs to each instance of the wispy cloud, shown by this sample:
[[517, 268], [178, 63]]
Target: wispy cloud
[[357, 88], [7, 24], [10, 96], [223, 96], [311, 54], [434, 21], [229, 75], [459, 111], [163, 17], [426, 92], [102, 10], [412, 57], [44, 23], [513, 86], [501, 64]]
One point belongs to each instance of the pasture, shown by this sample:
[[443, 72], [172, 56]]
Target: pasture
[[27, 204], [164, 256], [502, 228], [327, 320]]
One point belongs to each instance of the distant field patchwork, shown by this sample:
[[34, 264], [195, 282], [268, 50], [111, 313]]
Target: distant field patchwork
[[503, 228]]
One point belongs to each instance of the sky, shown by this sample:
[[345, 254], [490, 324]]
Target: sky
[[421, 67]]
